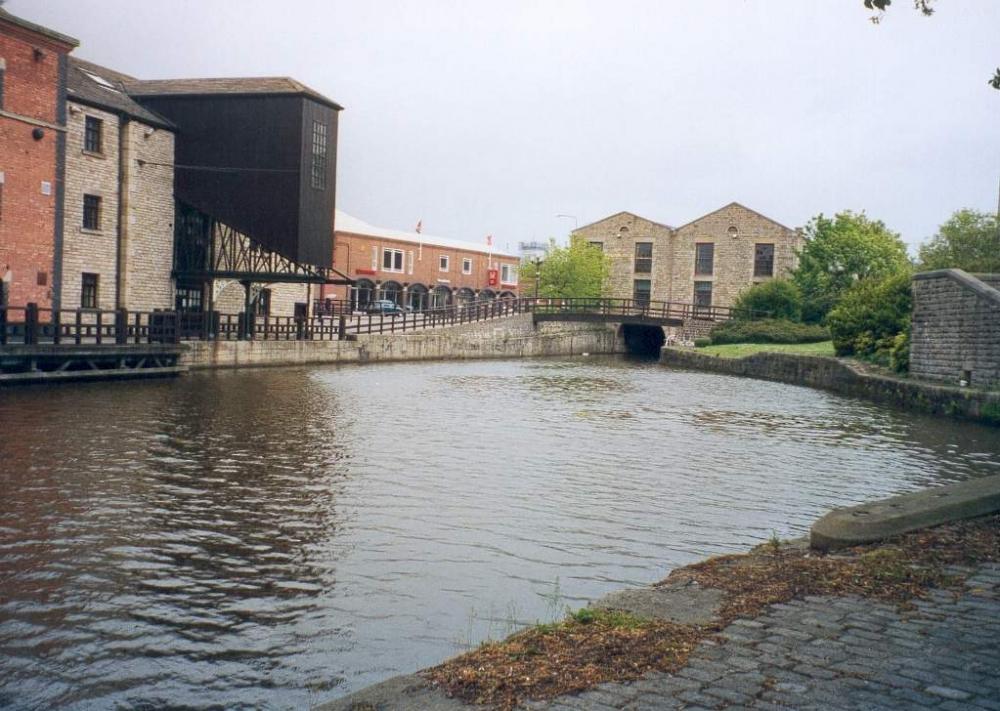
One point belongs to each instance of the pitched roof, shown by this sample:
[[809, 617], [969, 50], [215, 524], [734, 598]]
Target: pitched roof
[[342, 222], [742, 207], [92, 84], [39, 29], [617, 214], [238, 86]]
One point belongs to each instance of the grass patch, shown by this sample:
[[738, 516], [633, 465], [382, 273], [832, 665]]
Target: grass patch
[[593, 646], [739, 350]]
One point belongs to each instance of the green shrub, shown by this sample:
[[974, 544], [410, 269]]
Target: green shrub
[[702, 341], [869, 317], [899, 355], [777, 299], [768, 331]]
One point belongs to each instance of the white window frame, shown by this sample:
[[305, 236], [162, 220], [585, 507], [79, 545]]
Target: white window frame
[[466, 265], [396, 254], [444, 262], [511, 271]]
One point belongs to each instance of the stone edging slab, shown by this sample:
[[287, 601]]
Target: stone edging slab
[[876, 521]]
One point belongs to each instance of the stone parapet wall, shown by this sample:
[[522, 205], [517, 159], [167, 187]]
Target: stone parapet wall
[[837, 376], [513, 337], [956, 328]]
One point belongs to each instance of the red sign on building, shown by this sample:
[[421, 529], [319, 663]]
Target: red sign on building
[[493, 276]]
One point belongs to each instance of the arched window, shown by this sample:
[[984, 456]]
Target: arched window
[[464, 296], [487, 295], [440, 297], [393, 291], [417, 297]]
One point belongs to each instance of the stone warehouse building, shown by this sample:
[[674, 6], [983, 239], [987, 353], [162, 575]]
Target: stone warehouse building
[[416, 270], [33, 65], [706, 262], [119, 209]]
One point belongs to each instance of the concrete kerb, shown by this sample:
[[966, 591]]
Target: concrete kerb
[[876, 521], [400, 693]]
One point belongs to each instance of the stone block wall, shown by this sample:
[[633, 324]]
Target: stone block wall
[[512, 337], [956, 328], [229, 297], [734, 231], [86, 250], [617, 235], [149, 245]]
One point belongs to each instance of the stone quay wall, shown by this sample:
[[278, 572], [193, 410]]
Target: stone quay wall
[[956, 328], [515, 337], [837, 376]]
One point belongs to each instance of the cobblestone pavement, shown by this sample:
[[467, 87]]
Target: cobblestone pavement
[[835, 653]]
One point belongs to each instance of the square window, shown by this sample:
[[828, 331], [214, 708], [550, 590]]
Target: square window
[[643, 257], [443, 263], [508, 274], [703, 293], [763, 260], [319, 144], [704, 258], [91, 212], [598, 245], [88, 291], [466, 266], [42, 279], [641, 290], [392, 260], [93, 130]]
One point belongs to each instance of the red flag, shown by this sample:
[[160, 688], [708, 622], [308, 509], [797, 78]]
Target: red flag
[[420, 226], [489, 240]]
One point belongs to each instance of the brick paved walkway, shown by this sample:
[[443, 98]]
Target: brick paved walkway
[[835, 653]]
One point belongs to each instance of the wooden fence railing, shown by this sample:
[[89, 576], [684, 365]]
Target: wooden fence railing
[[32, 325]]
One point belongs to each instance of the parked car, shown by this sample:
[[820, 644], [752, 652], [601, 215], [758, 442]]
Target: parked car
[[385, 306]]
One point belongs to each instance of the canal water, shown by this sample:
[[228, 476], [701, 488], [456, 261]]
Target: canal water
[[278, 538]]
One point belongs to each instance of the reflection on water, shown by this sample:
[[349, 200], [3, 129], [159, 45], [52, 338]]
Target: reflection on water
[[276, 538]]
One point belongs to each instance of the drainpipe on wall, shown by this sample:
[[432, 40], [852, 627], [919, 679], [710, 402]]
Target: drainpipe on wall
[[124, 185]]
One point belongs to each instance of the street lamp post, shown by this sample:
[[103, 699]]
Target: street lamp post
[[538, 274]]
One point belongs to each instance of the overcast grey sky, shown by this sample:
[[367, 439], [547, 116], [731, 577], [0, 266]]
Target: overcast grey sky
[[494, 117]]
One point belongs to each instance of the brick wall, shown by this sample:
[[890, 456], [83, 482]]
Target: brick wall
[[86, 250], [360, 255], [28, 165], [956, 328]]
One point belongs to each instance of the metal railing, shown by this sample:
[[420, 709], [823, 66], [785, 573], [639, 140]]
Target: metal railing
[[32, 325]]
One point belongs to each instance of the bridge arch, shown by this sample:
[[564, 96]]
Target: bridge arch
[[642, 339]]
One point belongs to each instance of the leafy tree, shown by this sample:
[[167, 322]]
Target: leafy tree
[[840, 252], [926, 8], [779, 298], [969, 240], [574, 272], [872, 320]]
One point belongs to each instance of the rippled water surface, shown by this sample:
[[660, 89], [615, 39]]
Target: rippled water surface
[[276, 538]]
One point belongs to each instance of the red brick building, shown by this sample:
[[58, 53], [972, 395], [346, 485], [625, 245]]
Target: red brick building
[[33, 65], [416, 270]]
